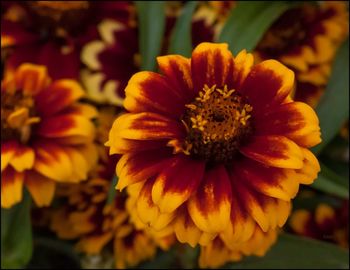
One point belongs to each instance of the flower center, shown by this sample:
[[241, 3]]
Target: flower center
[[59, 17], [217, 122], [17, 116]]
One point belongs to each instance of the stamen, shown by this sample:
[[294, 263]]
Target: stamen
[[216, 123]]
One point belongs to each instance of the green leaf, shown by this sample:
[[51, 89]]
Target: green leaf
[[333, 109], [331, 183], [112, 190], [248, 22], [151, 22], [16, 234], [181, 38], [50, 253], [293, 252]]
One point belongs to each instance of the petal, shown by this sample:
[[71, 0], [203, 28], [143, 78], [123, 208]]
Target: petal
[[168, 192], [57, 96], [177, 70], [299, 220], [135, 167], [86, 110], [94, 243], [66, 125], [11, 187], [31, 78], [273, 182], [40, 187], [211, 64], [52, 161], [267, 84], [8, 150], [151, 92], [148, 212], [308, 173], [275, 151], [302, 126], [210, 207], [80, 164], [23, 158], [187, 232], [146, 126], [243, 63]]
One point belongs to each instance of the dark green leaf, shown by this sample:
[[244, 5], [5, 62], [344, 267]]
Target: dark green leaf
[[51, 253], [248, 22], [181, 38], [333, 109], [331, 183], [151, 22], [112, 190], [293, 252], [16, 235]]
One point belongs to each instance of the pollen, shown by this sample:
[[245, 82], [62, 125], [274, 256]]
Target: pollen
[[17, 116], [217, 121]]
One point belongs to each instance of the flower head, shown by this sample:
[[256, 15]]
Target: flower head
[[325, 223], [305, 38], [215, 144], [46, 134]]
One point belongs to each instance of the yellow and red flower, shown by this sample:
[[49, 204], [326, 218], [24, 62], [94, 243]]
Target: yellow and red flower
[[215, 143], [110, 61], [52, 33], [306, 38], [46, 134], [87, 215], [324, 223]]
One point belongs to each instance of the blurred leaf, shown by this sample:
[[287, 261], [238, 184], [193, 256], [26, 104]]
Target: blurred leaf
[[333, 109], [163, 260], [151, 22], [53, 254], [112, 190], [16, 234], [248, 22], [331, 183], [181, 38], [294, 252]]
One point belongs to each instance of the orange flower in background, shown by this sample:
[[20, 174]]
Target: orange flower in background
[[306, 38], [46, 135], [208, 145], [325, 223]]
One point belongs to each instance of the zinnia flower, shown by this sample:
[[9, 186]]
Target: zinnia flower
[[110, 61], [325, 223], [46, 135], [216, 144], [306, 38], [52, 33]]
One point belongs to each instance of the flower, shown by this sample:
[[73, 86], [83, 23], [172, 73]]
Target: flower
[[110, 62], [215, 143], [46, 134], [220, 252], [87, 214], [52, 33], [325, 223], [306, 38]]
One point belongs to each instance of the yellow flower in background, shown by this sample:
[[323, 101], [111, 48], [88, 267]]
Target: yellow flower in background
[[215, 145], [220, 252], [46, 134], [86, 216], [306, 38], [325, 223]]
